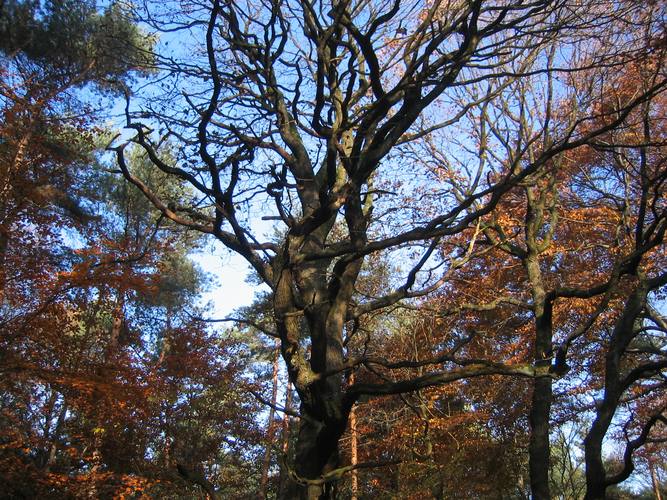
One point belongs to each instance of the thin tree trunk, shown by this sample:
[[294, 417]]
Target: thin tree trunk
[[271, 427], [103, 371], [654, 480], [354, 486], [54, 439], [286, 426], [116, 327], [283, 483], [4, 241], [624, 330], [354, 480]]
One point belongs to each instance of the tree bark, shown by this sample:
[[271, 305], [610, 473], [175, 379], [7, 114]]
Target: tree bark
[[595, 471], [284, 480], [54, 438], [624, 330], [4, 241], [654, 480], [539, 447], [354, 480], [271, 428], [316, 454]]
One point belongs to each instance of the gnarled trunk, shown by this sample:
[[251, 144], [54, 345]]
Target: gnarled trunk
[[317, 454], [539, 446]]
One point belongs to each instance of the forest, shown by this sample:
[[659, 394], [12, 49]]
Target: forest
[[453, 214]]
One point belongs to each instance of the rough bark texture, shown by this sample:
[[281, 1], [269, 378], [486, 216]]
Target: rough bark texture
[[541, 400], [354, 479], [615, 382], [322, 118]]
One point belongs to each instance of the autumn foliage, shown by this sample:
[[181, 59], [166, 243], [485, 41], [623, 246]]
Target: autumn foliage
[[454, 213]]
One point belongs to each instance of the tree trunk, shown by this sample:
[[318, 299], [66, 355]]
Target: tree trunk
[[654, 480], [104, 371], [324, 409], [316, 454], [284, 480], [4, 240], [271, 428], [540, 410], [595, 473], [55, 436], [354, 480], [539, 447], [596, 484], [624, 330]]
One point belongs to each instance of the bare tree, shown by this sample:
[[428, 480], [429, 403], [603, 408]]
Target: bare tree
[[307, 114]]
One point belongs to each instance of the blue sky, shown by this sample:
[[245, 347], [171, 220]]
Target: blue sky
[[229, 290]]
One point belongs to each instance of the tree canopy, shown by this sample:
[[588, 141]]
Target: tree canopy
[[457, 210]]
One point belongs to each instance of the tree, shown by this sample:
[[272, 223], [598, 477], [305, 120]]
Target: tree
[[112, 386], [634, 359], [109, 386], [597, 204], [309, 113], [464, 439], [48, 52]]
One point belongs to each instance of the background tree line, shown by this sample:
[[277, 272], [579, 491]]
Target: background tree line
[[457, 207]]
